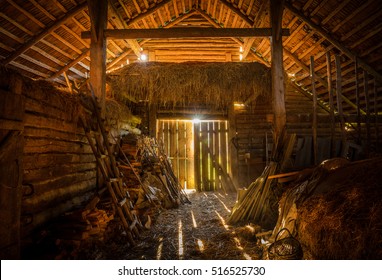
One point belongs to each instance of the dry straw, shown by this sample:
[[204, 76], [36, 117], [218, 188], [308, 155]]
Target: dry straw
[[177, 84]]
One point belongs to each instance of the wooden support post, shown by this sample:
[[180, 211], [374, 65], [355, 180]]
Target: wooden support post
[[339, 104], [377, 148], [359, 130], [152, 112], [197, 162], [331, 106], [367, 101], [278, 83], [314, 124], [98, 17], [233, 150]]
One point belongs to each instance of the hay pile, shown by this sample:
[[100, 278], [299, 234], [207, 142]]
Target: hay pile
[[180, 84], [337, 213]]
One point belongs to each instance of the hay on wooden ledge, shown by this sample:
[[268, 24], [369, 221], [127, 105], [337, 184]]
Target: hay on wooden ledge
[[180, 84]]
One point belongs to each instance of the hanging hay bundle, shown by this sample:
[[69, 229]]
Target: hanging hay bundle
[[174, 84]]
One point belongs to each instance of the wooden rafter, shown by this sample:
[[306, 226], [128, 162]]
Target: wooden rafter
[[124, 8], [57, 49], [65, 42], [248, 42], [335, 11], [148, 12], [122, 24], [42, 9], [353, 14], [15, 23], [333, 41], [47, 55], [44, 33], [26, 13], [69, 65], [362, 25], [237, 11], [236, 40]]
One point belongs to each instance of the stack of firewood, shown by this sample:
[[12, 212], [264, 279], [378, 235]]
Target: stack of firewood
[[74, 229]]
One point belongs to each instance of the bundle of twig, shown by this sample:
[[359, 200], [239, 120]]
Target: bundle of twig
[[254, 205], [156, 156]]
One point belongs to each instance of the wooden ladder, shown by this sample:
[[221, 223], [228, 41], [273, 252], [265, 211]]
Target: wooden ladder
[[106, 162]]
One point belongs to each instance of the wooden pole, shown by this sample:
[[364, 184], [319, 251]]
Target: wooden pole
[[233, 149], [278, 83], [186, 32], [314, 124], [376, 117], [359, 130], [367, 101], [98, 17], [339, 104], [331, 106], [152, 112]]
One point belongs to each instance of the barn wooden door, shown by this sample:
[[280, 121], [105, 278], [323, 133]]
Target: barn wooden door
[[198, 152], [211, 155], [177, 137]]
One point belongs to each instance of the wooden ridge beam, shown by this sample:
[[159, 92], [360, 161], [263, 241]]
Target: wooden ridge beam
[[44, 33], [188, 32], [333, 41]]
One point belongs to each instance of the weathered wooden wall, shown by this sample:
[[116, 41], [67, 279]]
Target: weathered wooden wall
[[251, 139], [11, 163], [46, 164], [59, 167]]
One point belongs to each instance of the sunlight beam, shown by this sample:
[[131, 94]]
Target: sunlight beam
[[180, 239]]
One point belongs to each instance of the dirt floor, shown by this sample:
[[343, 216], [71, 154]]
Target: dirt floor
[[192, 231]]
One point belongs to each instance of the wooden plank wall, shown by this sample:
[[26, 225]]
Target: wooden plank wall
[[59, 167], [253, 133], [211, 155], [177, 137], [11, 152], [253, 130]]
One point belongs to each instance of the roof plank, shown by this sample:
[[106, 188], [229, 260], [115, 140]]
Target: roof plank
[[333, 41], [44, 33]]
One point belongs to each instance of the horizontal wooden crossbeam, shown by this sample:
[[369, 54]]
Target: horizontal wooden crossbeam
[[188, 32]]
